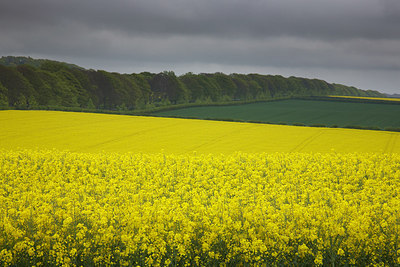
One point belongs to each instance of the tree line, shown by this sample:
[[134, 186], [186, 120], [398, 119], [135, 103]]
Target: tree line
[[27, 83]]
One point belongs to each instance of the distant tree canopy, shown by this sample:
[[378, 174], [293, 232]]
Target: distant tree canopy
[[30, 83]]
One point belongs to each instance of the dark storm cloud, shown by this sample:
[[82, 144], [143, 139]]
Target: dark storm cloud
[[353, 35], [233, 18]]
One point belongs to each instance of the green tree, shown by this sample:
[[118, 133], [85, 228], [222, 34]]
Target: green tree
[[90, 104], [166, 85], [21, 102], [3, 96], [16, 84]]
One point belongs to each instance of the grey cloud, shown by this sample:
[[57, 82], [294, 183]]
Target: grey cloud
[[279, 51], [285, 51], [323, 36], [230, 18]]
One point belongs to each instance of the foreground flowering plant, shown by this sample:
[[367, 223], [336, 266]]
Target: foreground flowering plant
[[62, 208]]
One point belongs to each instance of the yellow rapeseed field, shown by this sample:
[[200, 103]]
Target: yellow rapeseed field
[[108, 190], [64, 208], [366, 97], [85, 132]]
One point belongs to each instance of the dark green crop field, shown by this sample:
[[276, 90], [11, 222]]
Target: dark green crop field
[[298, 112]]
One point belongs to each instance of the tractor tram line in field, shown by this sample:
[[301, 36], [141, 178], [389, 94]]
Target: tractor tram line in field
[[128, 136], [307, 141], [389, 148], [220, 138]]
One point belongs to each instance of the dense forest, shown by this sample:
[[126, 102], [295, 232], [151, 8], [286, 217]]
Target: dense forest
[[30, 83]]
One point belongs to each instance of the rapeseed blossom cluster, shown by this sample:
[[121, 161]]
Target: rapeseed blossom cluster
[[63, 208]]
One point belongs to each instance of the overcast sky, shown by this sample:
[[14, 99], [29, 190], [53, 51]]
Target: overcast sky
[[353, 42]]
